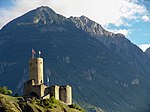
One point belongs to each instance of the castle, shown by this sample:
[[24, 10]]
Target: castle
[[35, 86]]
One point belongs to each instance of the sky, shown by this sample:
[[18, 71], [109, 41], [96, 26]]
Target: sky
[[129, 17]]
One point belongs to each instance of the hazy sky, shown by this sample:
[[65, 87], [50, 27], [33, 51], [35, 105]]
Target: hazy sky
[[130, 17]]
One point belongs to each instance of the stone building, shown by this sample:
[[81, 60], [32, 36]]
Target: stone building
[[35, 86]]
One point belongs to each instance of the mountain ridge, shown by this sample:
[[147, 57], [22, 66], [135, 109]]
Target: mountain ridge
[[109, 39], [97, 67], [86, 24]]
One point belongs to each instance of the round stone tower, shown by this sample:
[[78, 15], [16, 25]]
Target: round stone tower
[[36, 70]]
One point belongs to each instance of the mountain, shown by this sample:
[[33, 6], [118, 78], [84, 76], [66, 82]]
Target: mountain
[[148, 51], [105, 69], [117, 43]]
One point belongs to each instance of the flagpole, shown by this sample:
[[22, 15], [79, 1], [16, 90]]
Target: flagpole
[[33, 52], [39, 54]]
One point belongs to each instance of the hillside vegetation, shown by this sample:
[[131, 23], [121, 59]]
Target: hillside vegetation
[[104, 69], [20, 104]]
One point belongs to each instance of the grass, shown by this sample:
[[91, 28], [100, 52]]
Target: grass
[[14, 104], [9, 104]]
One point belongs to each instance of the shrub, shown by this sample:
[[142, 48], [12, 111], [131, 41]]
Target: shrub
[[76, 107], [33, 100], [47, 103], [53, 100], [4, 90]]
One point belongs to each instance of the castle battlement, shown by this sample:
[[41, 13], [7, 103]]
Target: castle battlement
[[35, 87]]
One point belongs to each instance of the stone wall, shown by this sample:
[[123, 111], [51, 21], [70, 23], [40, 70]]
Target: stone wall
[[54, 91], [31, 89], [28, 87], [65, 94], [35, 86]]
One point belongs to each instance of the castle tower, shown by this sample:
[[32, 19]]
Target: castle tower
[[55, 91], [66, 94], [36, 70], [35, 87]]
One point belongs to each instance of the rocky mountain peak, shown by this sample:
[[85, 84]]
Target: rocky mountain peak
[[41, 16], [45, 8], [90, 26], [46, 15]]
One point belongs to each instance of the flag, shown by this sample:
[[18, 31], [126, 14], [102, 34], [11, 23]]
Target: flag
[[39, 52], [33, 52]]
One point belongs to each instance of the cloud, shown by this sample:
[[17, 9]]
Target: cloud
[[102, 11], [144, 47], [146, 18]]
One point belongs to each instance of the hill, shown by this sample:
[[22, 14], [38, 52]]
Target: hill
[[19, 104], [105, 69]]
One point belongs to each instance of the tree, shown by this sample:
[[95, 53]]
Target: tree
[[5, 90]]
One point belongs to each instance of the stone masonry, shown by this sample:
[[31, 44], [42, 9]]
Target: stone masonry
[[35, 86]]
